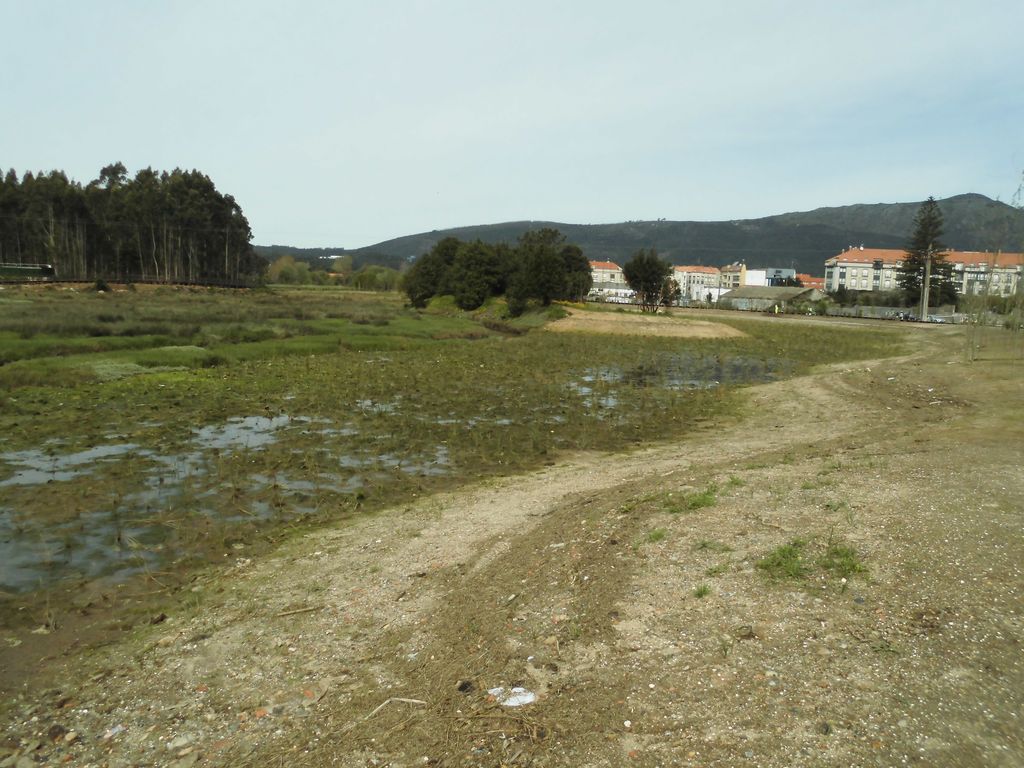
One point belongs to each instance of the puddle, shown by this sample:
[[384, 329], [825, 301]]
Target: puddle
[[128, 537], [243, 432], [38, 467], [89, 547], [675, 372], [376, 407]]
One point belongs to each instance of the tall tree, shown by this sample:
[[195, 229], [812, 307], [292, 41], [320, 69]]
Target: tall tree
[[926, 243], [428, 276], [164, 226], [474, 275], [579, 277], [541, 265], [648, 276]]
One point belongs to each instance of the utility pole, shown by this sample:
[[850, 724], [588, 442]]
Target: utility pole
[[926, 284]]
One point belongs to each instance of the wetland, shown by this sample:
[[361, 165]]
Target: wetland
[[149, 431]]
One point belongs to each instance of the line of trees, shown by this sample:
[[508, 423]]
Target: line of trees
[[172, 226], [369, 277], [541, 267]]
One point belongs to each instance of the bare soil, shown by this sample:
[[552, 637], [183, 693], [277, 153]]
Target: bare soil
[[634, 323], [377, 643]]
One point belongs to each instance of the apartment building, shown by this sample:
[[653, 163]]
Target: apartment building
[[734, 275], [875, 269], [697, 282]]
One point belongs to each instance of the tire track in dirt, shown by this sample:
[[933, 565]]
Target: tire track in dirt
[[548, 580]]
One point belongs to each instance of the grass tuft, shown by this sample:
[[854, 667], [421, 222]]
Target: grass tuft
[[785, 562], [656, 535], [841, 560]]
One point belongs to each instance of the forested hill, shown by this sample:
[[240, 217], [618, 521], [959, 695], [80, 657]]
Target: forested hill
[[799, 240]]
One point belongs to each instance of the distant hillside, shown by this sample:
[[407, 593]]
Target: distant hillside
[[799, 240]]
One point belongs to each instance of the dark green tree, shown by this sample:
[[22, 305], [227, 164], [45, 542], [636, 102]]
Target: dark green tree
[[474, 275], [163, 226], [542, 271], [428, 276], [926, 242], [579, 277], [647, 275]]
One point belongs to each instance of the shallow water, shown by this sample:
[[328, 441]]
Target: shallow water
[[158, 497], [130, 535]]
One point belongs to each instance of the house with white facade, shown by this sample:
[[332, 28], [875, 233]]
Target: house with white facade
[[698, 283], [609, 282]]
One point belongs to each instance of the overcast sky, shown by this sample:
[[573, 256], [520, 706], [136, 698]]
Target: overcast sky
[[344, 123]]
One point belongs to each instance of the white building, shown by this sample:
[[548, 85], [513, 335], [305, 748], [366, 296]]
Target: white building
[[875, 269], [698, 283], [609, 282]]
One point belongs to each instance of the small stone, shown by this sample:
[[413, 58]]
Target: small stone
[[824, 729], [187, 761], [179, 742]]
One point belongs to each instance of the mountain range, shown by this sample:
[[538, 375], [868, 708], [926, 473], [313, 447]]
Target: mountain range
[[801, 241]]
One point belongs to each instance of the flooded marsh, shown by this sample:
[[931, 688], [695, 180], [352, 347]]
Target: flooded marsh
[[188, 461]]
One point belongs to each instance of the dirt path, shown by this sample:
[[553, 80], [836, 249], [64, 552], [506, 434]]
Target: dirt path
[[377, 644]]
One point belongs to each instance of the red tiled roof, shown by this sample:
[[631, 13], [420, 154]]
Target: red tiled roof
[[604, 265], [987, 257], [701, 269], [811, 282], [894, 256]]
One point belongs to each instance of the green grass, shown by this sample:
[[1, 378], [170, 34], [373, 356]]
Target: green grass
[[841, 560], [702, 591], [792, 561], [656, 535], [705, 498], [786, 561], [691, 502]]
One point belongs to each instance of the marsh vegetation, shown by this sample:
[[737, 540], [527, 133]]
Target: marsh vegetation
[[145, 430]]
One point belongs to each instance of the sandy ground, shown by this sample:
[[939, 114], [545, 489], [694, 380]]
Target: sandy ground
[[634, 323], [378, 643]]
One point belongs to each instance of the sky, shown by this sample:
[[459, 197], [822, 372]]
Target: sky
[[339, 123]]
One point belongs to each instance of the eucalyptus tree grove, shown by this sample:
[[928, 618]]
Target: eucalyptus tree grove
[[158, 225]]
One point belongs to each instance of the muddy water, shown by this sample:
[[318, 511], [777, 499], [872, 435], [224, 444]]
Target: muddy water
[[131, 534], [139, 527]]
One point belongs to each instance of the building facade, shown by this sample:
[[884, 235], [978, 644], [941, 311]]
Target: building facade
[[974, 272], [609, 282], [607, 272], [697, 283]]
